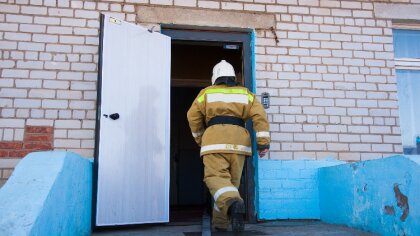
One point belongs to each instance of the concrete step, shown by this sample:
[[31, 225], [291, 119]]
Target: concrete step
[[305, 228]]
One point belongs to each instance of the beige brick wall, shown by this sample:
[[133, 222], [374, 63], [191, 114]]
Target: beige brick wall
[[5, 173], [331, 74]]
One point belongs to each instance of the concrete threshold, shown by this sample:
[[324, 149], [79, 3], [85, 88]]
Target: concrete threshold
[[301, 228]]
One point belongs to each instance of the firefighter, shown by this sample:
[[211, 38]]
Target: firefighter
[[217, 120]]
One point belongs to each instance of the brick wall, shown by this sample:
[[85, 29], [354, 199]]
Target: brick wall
[[4, 175], [35, 138], [331, 73]]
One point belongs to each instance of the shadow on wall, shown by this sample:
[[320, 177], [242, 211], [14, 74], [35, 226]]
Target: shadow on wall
[[49, 192], [381, 196]]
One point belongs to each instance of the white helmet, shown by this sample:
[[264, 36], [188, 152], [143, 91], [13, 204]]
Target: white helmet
[[223, 68]]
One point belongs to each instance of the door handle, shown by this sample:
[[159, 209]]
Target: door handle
[[114, 116]]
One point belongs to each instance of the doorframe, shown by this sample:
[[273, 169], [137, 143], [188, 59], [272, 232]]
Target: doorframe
[[229, 35], [98, 122]]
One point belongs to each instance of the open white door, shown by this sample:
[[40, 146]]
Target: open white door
[[132, 151]]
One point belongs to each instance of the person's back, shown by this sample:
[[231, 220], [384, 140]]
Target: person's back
[[220, 103], [217, 120]]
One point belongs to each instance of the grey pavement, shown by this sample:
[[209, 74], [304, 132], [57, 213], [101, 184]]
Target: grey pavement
[[300, 228]]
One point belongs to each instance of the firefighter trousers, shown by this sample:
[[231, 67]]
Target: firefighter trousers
[[222, 175]]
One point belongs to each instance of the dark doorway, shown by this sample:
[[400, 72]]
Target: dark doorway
[[187, 195], [193, 55], [192, 64]]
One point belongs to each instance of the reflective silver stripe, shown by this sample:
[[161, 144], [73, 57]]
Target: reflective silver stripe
[[223, 97], [197, 134], [263, 134], [216, 208], [229, 147], [222, 191]]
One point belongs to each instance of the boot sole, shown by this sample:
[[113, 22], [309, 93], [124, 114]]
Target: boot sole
[[237, 215]]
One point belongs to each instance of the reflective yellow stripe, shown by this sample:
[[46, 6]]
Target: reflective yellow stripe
[[250, 97], [225, 147], [263, 134], [201, 98], [223, 190], [226, 90], [228, 98], [197, 134]]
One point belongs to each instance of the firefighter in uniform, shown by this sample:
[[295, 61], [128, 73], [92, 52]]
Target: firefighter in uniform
[[217, 121]]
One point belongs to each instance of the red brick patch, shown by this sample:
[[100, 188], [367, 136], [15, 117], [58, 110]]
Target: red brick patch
[[10, 145], [38, 130], [36, 138], [37, 146], [4, 153], [20, 153]]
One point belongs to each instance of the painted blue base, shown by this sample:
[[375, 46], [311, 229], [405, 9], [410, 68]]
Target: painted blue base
[[381, 196], [289, 189], [49, 193]]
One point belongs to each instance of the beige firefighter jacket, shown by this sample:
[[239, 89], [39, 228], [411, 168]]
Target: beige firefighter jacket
[[221, 100]]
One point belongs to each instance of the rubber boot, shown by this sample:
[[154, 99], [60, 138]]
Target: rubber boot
[[237, 211]]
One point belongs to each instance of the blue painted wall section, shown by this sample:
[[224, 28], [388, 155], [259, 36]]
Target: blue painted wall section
[[289, 189], [49, 193], [380, 196]]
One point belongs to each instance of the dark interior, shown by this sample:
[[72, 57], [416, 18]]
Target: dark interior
[[192, 65], [187, 191], [192, 62]]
